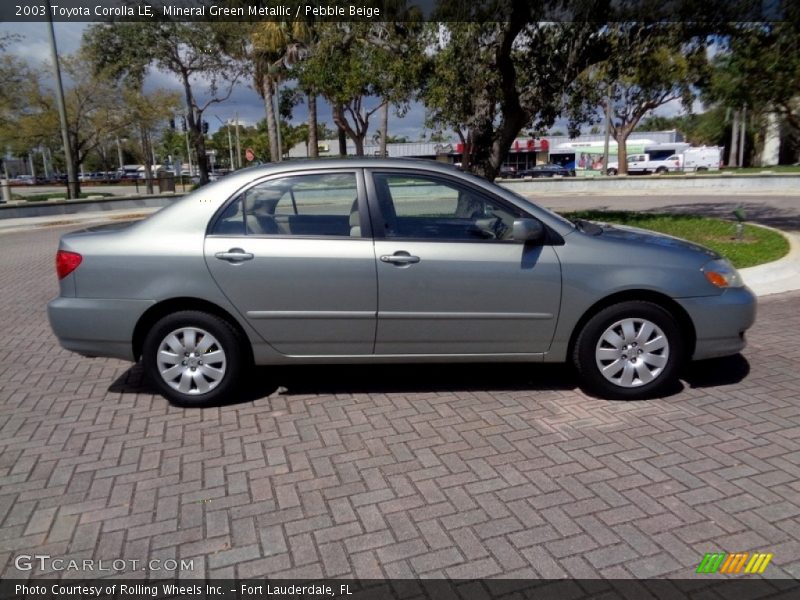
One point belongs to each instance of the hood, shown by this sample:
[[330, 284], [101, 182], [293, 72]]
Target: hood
[[635, 235]]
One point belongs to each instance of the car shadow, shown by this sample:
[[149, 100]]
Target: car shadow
[[716, 371], [378, 379], [317, 380]]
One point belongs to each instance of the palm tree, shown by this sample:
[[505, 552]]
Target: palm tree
[[277, 46]]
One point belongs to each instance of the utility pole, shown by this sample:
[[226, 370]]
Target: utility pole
[[733, 156], [119, 155], [188, 149], [742, 134], [238, 142], [608, 131], [279, 158], [72, 186]]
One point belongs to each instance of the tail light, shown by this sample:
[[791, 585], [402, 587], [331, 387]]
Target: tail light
[[67, 262]]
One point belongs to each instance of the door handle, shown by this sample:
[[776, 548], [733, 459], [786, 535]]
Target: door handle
[[400, 259], [234, 255]]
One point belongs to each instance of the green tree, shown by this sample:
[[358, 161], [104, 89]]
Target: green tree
[[490, 79], [193, 51], [95, 113], [359, 68], [648, 68]]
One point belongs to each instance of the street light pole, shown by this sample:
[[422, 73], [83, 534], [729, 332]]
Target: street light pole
[[608, 132], [72, 186]]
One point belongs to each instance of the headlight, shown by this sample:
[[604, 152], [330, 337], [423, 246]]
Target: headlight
[[722, 274]]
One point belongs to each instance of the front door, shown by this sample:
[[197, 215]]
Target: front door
[[291, 254], [451, 280]]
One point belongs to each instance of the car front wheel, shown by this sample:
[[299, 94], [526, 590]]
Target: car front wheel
[[194, 358], [631, 350]]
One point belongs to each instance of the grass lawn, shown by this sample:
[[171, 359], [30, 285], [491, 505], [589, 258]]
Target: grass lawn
[[758, 246]]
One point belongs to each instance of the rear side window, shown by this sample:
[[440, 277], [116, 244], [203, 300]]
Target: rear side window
[[324, 204]]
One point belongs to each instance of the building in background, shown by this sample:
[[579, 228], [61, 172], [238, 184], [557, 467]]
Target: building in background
[[524, 153]]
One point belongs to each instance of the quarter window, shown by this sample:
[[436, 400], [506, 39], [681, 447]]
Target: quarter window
[[298, 205]]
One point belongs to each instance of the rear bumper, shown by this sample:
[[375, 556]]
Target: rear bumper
[[96, 327], [720, 321]]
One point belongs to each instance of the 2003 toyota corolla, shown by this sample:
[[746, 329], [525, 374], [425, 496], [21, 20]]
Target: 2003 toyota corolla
[[388, 261]]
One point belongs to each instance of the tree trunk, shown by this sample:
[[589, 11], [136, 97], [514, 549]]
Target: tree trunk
[[384, 128], [733, 154], [73, 183], [267, 91], [148, 169], [342, 142], [491, 146], [313, 142], [193, 128]]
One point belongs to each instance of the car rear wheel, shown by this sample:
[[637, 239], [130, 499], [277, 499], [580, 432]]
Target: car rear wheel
[[631, 350], [194, 358], [611, 172], [661, 170]]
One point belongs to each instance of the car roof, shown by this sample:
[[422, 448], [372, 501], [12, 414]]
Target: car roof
[[299, 164]]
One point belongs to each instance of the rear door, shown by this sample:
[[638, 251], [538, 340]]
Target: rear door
[[451, 280], [294, 254]]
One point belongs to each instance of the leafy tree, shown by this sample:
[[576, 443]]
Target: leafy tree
[[274, 47], [192, 51], [95, 113], [359, 67], [648, 68], [490, 79]]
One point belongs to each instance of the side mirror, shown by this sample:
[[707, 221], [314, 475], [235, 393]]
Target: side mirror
[[527, 230]]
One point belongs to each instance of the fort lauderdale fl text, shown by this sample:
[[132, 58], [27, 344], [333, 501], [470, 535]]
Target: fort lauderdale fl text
[[211, 10], [170, 590]]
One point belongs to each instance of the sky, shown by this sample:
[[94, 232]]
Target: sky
[[35, 47]]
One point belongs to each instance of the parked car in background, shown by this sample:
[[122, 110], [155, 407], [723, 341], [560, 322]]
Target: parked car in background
[[23, 180], [507, 172], [547, 170], [380, 260]]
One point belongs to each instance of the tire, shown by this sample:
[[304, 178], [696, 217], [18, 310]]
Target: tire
[[189, 380], [611, 172], [602, 353], [661, 170]]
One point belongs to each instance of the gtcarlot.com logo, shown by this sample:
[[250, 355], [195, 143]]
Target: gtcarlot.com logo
[[45, 562], [733, 564]]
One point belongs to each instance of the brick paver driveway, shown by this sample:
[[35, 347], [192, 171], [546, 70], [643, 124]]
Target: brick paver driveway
[[393, 471]]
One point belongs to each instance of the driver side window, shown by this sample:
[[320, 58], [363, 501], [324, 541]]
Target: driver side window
[[423, 207]]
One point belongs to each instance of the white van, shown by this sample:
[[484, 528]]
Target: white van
[[644, 163], [705, 158]]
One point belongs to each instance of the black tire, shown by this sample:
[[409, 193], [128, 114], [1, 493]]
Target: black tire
[[611, 172], [232, 362], [589, 354], [661, 170]]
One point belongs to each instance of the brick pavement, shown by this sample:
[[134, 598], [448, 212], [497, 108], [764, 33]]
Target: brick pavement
[[503, 470]]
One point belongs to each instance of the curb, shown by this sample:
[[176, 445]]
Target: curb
[[779, 276]]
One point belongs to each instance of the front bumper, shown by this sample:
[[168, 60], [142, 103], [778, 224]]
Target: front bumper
[[720, 321], [96, 326]]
